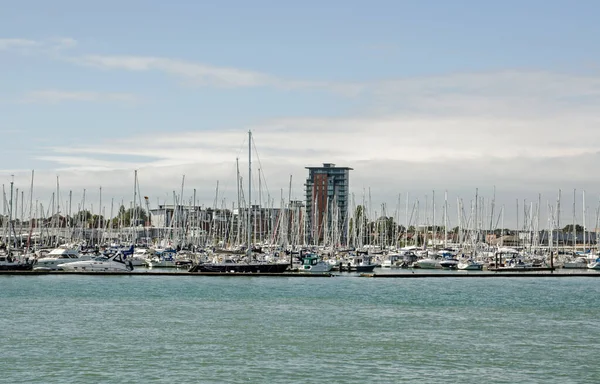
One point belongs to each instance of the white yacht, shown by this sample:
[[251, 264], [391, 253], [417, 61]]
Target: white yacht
[[115, 263], [60, 255]]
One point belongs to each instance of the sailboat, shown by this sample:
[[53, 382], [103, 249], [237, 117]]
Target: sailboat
[[249, 265]]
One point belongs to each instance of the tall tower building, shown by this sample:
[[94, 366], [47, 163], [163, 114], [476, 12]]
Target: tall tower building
[[327, 201]]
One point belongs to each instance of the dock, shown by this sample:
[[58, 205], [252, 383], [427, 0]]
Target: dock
[[478, 275], [165, 273]]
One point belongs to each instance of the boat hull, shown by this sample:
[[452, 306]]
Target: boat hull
[[16, 267], [239, 268], [595, 266], [470, 266]]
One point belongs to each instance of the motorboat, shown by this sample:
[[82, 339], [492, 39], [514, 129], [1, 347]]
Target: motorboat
[[10, 263], [595, 264], [470, 265], [427, 263], [115, 263], [140, 257], [449, 263], [163, 258], [313, 264], [231, 266], [577, 263], [60, 255]]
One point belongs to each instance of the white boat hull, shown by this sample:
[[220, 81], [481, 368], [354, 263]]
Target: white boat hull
[[595, 266], [94, 266], [427, 264], [470, 266]]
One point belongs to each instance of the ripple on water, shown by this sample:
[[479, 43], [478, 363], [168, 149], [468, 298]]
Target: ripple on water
[[161, 329]]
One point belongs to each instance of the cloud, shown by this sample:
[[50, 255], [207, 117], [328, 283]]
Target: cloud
[[193, 73], [519, 130], [523, 132], [51, 46], [58, 96], [6, 44], [200, 74]]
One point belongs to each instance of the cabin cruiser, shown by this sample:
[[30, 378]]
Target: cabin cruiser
[[392, 261], [470, 265], [311, 263], [60, 255], [10, 263], [163, 258], [115, 263], [360, 263], [449, 263], [426, 263]]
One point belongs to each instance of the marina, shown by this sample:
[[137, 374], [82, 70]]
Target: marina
[[326, 232], [278, 192]]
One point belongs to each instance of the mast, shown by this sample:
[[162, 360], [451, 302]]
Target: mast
[[249, 221], [99, 226], [133, 216], [558, 218], [10, 214], [445, 219], [583, 219], [30, 213], [574, 232], [433, 220], [239, 206]]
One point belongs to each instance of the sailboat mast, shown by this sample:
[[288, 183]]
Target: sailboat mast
[[10, 215], [249, 221]]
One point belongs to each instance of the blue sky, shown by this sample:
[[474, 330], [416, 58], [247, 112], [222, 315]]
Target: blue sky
[[451, 95]]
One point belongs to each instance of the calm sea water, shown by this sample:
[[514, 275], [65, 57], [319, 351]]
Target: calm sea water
[[188, 329]]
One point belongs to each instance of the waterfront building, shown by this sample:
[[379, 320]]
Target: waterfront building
[[327, 201]]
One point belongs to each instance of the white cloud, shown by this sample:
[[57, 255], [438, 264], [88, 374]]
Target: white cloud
[[49, 46], [6, 43], [522, 131], [57, 96], [200, 74]]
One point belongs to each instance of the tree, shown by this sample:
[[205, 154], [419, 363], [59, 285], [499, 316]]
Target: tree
[[569, 228], [82, 217], [126, 216]]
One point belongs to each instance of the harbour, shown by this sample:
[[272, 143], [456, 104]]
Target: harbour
[[277, 192]]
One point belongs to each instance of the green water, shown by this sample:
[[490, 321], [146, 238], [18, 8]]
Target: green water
[[188, 329]]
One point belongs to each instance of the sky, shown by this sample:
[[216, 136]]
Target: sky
[[418, 97]]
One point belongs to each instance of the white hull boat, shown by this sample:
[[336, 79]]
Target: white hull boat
[[427, 264], [578, 263], [595, 265], [470, 265], [58, 256], [115, 263]]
